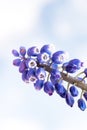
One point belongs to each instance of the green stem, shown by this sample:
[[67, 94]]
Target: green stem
[[81, 93], [79, 74], [67, 78], [68, 87], [48, 76]]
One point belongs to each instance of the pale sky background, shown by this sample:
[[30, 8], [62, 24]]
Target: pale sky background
[[39, 22]]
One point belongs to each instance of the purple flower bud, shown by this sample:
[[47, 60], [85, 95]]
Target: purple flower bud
[[74, 92], [33, 51], [22, 67], [39, 84], [16, 62], [60, 90], [48, 49], [48, 88], [59, 57], [22, 51], [73, 65], [70, 68], [24, 76], [81, 104], [52, 79], [69, 99], [76, 62], [15, 53]]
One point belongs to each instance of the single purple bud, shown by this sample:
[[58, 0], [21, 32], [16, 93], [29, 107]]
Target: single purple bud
[[48, 49], [15, 53], [81, 104], [77, 63], [73, 65], [52, 79], [24, 76], [71, 68], [69, 100], [74, 92], [22, 51], [39, 84], [17, 62], [60, 90], [40, 73], [59, 57], [22, 67], [48, 88], [33, 51]]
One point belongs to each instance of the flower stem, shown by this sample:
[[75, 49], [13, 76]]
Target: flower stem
[[67, 78]]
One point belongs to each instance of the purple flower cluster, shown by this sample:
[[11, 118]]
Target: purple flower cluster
[[33, 63]]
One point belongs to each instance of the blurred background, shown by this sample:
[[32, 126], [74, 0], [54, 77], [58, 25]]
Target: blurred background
[[39, 22]]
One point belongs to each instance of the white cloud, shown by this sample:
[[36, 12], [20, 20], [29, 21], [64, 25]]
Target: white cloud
[[17, 16], [16, 124], [62, 29], [70, 20], [80, 6]]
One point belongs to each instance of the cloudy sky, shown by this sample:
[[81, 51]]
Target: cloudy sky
[[39, 22]]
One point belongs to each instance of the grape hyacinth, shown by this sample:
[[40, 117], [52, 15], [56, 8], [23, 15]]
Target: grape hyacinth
[[22, 51], [69, 99], [40, 73], [59, 57], [81, 104], [33, 51], [73, 65], [48, 88], [38, 85], [60, 89], [73, 90], [48, 70]]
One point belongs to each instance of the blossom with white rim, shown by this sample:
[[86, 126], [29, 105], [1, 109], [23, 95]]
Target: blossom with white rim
[[48, 48], [31, 75], [59, 57], [32, 79], [31, 63], [36, 50], [63, 57], [40, 73], [33, 51], [52, 48], [45, 57]]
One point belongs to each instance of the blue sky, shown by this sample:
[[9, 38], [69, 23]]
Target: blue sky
[[39, 22]]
